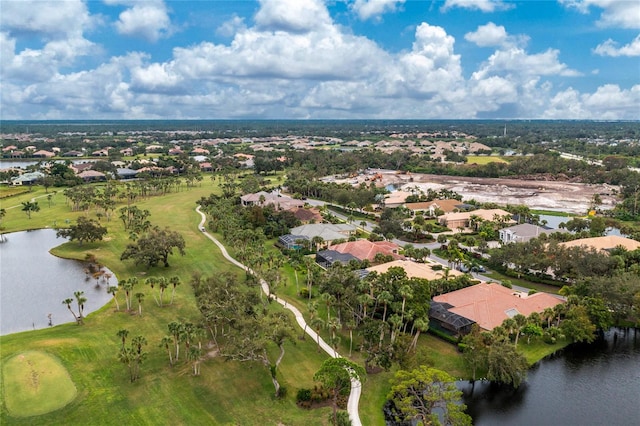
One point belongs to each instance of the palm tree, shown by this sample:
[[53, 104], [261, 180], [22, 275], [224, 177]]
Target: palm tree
[[167, 343], [317, 324], [113, 290], [175, 328], [333, 324], [328, 299], [151, 282], [122, 334], [68, 302], [175, 282], [30, 206], [163, 283], [140, 297], [421, 324], [127, 286], [80, 299]]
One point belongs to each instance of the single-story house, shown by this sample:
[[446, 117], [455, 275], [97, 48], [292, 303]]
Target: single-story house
[[414, 269], [462, 219], [489, 304], [365, 249], [27, 178], [43, 154], [126, 173], [430, 208], [604, 243], [326, 258], [127, 152], [262, 198], [525, 232], [327, 231], [73, 154], [81, 167], [396, 198], [92, 176]]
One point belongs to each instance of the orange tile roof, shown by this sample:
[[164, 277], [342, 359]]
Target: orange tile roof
[[365, 249], [490, 304], [414, 269]]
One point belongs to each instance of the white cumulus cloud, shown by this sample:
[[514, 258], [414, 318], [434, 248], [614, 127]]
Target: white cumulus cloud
[[614, 13], [148, 20], [610, 48], [481, 5], [297, 16], [367, 9]]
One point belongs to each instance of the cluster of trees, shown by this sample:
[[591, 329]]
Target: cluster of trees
[[547, 258], [242, 324]]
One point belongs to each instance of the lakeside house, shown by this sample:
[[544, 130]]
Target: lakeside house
[[486, 304]]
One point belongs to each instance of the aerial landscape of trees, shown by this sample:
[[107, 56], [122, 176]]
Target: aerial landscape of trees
[[379, 322]]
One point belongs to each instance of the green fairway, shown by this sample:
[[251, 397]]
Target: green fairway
[[35, 383]]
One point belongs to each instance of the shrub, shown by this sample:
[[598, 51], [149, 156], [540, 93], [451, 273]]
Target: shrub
[[303, 395]]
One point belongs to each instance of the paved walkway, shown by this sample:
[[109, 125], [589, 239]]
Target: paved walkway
[[356, 386]]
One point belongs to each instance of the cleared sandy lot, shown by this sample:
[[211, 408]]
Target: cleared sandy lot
[[537, 194]]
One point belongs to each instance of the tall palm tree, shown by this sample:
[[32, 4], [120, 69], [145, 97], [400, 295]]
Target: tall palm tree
[[68, 302], [167, 343], [80, 300], [140, 297], [122, 334], [113, 290], [175, 282], [163, 283], [151, 282]]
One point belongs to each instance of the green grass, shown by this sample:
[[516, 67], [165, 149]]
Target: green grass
[[225, 393], [36, 383], [484, 159]]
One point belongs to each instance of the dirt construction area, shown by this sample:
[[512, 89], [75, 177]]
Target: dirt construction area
[[552, 195]]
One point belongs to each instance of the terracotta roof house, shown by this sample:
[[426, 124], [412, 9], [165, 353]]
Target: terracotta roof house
[[525, 232], [175, 151], [307, 215], [92, 176], [604, 243], [127, 152], [365, 249], [430, 207], [396, 199], [43, 154], [489, 304], [80, 167], [281, 202], [461, 219], [200, 151], [327, 231], [206, 167], [414, 269]]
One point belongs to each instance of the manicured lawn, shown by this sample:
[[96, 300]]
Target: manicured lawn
[[35, 383], [225, 392], [484, 159]]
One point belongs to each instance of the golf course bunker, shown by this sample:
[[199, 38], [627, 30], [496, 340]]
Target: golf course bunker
[[36, 383]]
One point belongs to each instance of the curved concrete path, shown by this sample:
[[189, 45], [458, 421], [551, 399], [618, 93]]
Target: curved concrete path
[[356, 386]]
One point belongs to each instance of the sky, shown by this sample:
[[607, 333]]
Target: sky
[[315, 59]]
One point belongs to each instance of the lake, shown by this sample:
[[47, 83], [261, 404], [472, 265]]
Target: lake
[[584, 385], [33, 283]]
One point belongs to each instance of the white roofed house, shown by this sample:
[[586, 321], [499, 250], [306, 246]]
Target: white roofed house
[[262, 198]]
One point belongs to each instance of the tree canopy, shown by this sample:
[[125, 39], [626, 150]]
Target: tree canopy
[[154, 247]]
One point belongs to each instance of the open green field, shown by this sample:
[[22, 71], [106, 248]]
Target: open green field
[[484, 159], [36, 383], [224, 393]]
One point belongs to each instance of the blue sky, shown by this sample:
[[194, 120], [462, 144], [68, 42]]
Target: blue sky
[[314, 59]]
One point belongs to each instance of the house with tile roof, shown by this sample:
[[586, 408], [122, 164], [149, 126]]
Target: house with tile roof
[[462, 219], [430, 208], [416, 270], [327, 231], [365, 249], [489, 304], [263, 198]]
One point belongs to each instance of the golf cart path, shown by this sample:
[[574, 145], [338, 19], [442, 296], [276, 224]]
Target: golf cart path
[[356, 386]]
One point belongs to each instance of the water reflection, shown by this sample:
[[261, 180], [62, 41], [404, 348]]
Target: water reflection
[[33, 283], [596, 384]]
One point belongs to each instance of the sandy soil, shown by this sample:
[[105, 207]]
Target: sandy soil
[[541, 195]]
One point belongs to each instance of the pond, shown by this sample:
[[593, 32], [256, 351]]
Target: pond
[[33, 283], [597, 384]]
